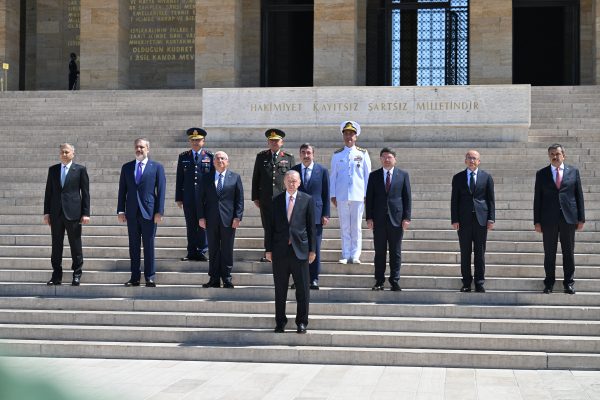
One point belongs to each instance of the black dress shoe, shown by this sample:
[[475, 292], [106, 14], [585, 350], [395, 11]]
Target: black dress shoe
[[188, 258], [377, 286], [479, 289], [279, 329], [293, 286], [132, 283], [54, 282], [395, 287], [202, 257], [228, 285], [212, 284], [263, 259], [314, 285], [547, 289], [301, 328], [570, 289], [465, 289], [150, 283], [76, 281]]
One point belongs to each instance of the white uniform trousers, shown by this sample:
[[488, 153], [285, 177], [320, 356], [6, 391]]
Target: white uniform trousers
[[351, 214]]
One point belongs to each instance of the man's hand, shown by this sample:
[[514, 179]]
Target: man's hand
[[236, 223], [269, 256], [179, 204], [157, 218], [257, 203], [85, 220], [334, 202], [47, 219], [311, 256], [455, 226], [324, 221], [202, 223], [405, 224], [122, 218], [580, 226], [370, 224], [538, 228], [490, 225]]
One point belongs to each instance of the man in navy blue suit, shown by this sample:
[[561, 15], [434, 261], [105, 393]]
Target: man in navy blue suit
[[315, 181], [388, 207], [473, 214], [220, 212], [142, 205], [558, 212]]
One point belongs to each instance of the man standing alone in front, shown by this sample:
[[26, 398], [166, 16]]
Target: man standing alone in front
[[66, 207], [473, 213], [558, 212]]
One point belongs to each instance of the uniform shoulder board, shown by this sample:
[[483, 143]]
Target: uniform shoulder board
[[288, 154], [361, 149], [338, 150], [185, 153], [210, 153], [265, 151]]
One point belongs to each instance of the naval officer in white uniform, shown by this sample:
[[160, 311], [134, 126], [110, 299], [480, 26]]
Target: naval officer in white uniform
[[350, 169]]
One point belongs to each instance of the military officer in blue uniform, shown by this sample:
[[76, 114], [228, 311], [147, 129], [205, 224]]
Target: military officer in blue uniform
[[267, 179], [349, 173], [192, 166]]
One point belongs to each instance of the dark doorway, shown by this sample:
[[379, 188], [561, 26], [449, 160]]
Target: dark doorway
[[546, 42], [287, 43]]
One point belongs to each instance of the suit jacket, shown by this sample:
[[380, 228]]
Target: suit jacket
[[397, 203], [72, 200], [300, 229], [229, 205], [548, 200], [482, 200], [148, 196], [318, 188]]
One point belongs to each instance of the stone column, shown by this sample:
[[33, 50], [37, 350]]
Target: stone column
[[596, 42], [335, 43], [218, 43], [490, 41], [104, 62], [9, 40]]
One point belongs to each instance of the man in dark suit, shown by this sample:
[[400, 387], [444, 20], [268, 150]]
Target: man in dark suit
[[473, 213], [315, 181], [291, 243], [267, 178], [558, 211], [220, 211], [141, 204], [192, 166], [66, 207], [388, 207]]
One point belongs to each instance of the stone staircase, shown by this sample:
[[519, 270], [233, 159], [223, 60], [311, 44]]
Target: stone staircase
[[429, 323]]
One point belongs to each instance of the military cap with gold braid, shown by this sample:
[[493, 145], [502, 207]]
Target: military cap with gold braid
[[275, 134], [196, 133], [350, 126]]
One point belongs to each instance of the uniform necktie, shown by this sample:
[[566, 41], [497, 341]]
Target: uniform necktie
[[274, 158], [472, 182], [305, 176], [558, 178], [138, 173], [388, 182], [196, 158], [63, 176], [220, 185], [290, 208]]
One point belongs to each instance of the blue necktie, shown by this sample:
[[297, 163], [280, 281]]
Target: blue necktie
[[306, 176], [138, 174], [220, 185], [63, 176]]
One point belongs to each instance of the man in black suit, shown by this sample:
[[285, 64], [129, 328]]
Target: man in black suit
[[315, 181], [220, 212], [388, 207], [291, 243], [473, 213], [66, 207], [557, 212]]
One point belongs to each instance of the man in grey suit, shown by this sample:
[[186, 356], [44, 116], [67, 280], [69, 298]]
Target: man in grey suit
[[558, 211], [291, 241], [66, 207], [473, 214], [220, 213]]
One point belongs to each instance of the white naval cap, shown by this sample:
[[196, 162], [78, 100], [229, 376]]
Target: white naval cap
[[350, 126]]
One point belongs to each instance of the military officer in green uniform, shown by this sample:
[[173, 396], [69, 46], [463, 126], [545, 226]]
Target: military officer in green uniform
[[267, 179]]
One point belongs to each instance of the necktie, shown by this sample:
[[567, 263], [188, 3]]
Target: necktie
[[196, 158], [472, 182], [138, 173], [63, 176], [274, 158], [388, 182], [290, 208], [305, 176], [558, 178], [220, 185]]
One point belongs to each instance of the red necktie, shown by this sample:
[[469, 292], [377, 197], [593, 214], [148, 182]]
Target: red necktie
[[558, 178], [388, 182], [289, 213]]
